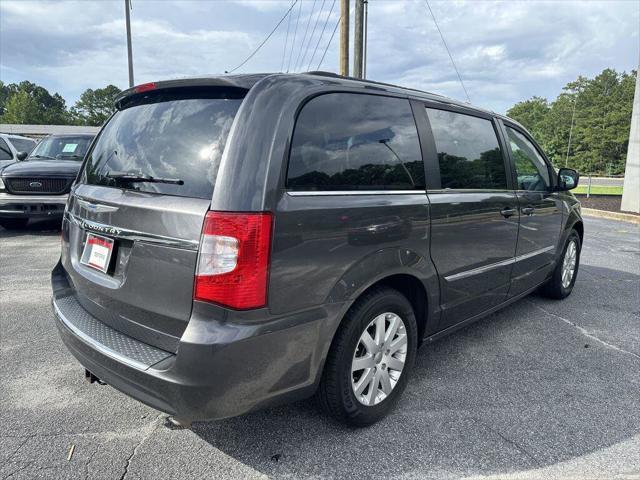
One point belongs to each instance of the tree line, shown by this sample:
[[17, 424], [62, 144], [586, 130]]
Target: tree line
[[28, 103], [586, 127]]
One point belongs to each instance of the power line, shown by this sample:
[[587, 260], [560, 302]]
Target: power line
[[304, 38], [326, 22], [448, 52], [294, 36], [286, 40], [315, 25], [330, 40], [263, 42]]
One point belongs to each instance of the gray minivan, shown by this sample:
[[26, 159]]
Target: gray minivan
[[236, 242]]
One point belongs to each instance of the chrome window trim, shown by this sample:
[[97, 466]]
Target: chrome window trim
[[502, 263], [133, 235], [334, 193]]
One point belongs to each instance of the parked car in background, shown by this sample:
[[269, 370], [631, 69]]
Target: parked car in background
[[14, 147], [238, 242], [38, 185]]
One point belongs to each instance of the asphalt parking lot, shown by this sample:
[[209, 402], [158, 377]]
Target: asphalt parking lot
[[543, 389]]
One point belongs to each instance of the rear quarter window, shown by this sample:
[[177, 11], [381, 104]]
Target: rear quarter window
[[179, 139], [345, 141]]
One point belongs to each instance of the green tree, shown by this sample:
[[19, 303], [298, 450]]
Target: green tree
[[595, 113], [4, 97], [95, 106], [27, 102], [533, 114]]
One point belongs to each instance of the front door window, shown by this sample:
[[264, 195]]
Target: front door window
[[531, 169]]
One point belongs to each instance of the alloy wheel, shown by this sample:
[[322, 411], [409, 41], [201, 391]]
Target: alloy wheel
[[379, 359], [569, 263]]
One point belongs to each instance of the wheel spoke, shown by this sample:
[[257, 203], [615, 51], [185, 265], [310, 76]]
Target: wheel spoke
[[391, 331], [385, 382], [360, 363], [373, 388], [363, 381], [397, 344], [395, 364], [368, 342], [380, 324]]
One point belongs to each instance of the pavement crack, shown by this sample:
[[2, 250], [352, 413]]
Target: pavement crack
[[148, 431], [585, 332], [22, 444], [513, 443]]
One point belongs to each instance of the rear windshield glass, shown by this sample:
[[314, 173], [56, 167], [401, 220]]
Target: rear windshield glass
[[66, 148], [22, 144], [179, 141]]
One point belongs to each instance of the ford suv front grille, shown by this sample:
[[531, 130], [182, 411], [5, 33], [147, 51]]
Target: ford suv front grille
[[38, 185]]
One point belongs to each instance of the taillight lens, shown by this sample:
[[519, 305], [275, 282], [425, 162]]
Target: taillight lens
[[233, 262], [144, 87]]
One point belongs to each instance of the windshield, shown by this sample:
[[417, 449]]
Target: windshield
[[67, 147], [22, 144], [172, 146]]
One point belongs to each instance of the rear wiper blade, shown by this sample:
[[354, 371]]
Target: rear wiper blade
[[128, 177]]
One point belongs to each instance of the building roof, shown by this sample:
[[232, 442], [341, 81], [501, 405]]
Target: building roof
[[43, 130]]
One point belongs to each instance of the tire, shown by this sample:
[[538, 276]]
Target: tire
[[555, 287], [336, 393], [13, 223]]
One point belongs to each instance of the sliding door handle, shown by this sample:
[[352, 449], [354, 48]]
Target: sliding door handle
[[508, 212], [527, 211]]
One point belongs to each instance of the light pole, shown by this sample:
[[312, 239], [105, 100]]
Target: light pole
[[127, 7]]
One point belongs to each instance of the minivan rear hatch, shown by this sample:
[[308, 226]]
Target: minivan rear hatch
[[133, 223]]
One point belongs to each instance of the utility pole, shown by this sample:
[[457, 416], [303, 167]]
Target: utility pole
[[127, 7], [358, 39], [366, 32], [344, 37]]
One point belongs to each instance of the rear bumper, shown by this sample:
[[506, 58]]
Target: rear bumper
[[221, 368], [30, 206]]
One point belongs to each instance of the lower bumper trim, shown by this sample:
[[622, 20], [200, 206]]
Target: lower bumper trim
[[105, 339]]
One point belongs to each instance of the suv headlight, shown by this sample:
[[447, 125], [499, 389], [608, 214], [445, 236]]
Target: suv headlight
[[1, 184]]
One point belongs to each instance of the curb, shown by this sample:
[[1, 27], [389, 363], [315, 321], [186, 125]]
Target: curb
[[624, 217]]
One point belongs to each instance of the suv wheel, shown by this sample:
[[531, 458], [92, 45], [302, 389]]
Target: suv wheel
[[564, 276], [370, 359], [13, 223]]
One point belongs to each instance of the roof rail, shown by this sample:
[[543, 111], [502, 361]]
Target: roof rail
[[321, 73]]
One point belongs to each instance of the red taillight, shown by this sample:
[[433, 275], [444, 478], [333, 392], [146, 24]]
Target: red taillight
[[144, 87], [233, 262]]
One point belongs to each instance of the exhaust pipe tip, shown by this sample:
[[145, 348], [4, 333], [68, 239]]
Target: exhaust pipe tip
[[91, 378], [174, 423]]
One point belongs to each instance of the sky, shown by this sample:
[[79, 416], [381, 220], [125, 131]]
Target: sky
[[505, 51]]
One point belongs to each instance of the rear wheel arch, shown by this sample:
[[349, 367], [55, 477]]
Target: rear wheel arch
[[414, 290], [408, 285]]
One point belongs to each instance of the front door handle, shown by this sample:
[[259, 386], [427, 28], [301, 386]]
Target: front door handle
[[528, 211], [508, 212]]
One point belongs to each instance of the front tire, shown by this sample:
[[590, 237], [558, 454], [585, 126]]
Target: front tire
[[561, 283], [371, 358]]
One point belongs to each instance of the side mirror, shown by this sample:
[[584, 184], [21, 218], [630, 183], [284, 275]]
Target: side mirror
[[21, 155], [567, 179]]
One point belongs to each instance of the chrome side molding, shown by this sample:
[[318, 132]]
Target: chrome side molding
[[503, 263]]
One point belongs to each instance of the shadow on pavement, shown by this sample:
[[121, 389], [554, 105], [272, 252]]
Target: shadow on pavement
[[43, 227], [520, 390]]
